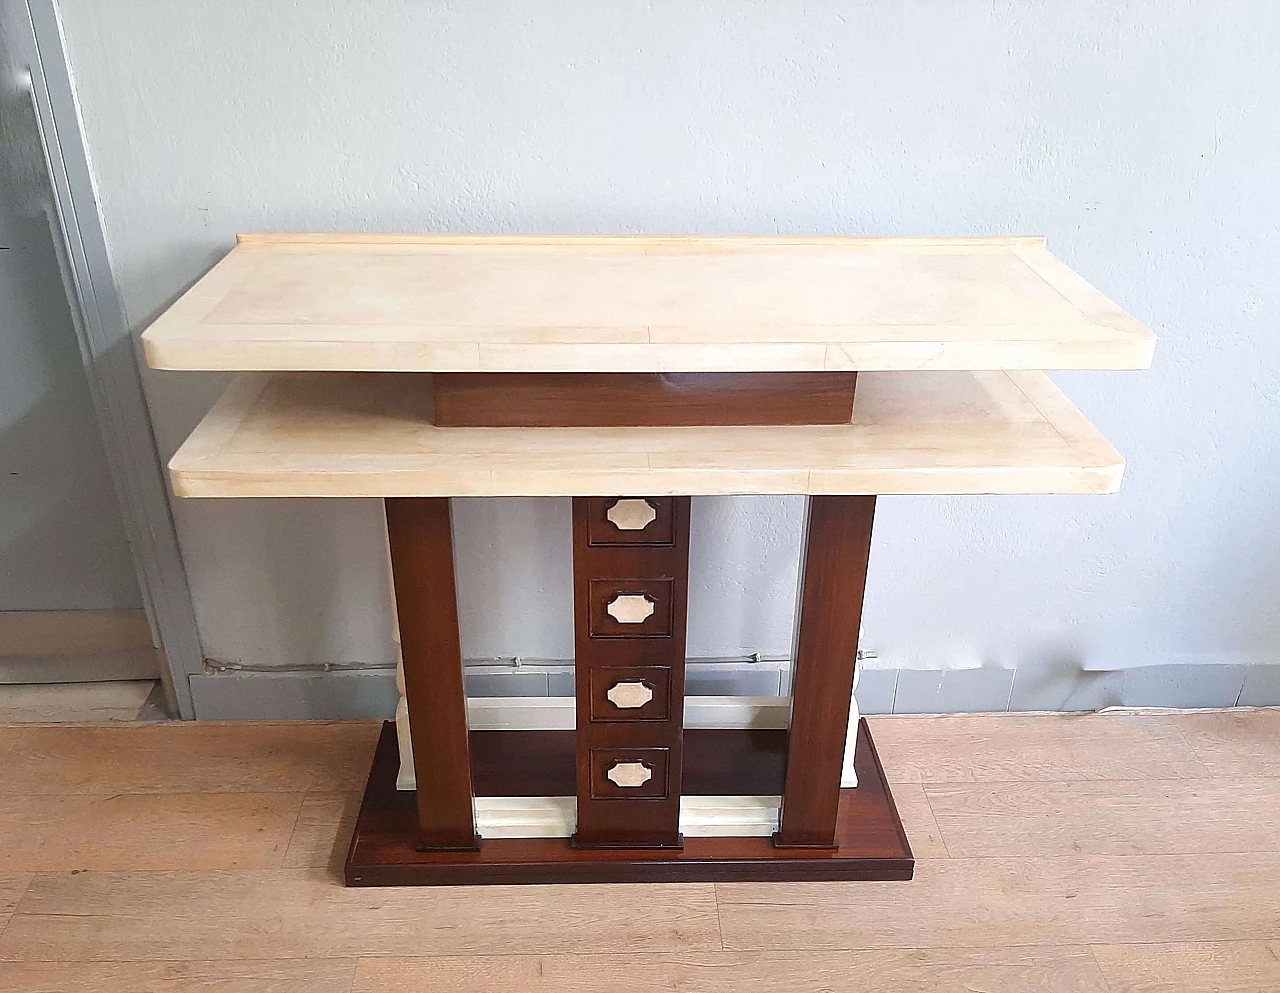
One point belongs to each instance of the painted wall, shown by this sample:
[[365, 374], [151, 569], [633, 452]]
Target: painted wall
[[1141, 138], [62, 542]]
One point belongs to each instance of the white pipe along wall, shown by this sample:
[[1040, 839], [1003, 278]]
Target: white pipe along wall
[[1140, 138]]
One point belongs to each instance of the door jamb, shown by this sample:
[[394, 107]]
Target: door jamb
[[110, 360]]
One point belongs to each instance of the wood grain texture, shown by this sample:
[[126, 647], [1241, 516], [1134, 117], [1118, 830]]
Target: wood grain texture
[[1199, 967], [1006, 970], [306, 913], [146, 831], [972, 903], [1136, 817], [352, 435], [12, 886], [1033, 748], [420, 536], [614, 399], [642, 305], [833, 576], [1159, 924], [1234, 743], [253, 757], [310, 976], [323, 831], [918, 821]]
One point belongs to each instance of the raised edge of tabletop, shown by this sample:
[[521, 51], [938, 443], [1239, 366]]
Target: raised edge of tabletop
[[636, 241]]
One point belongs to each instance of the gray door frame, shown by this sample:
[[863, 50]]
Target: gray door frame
[[107, 349]]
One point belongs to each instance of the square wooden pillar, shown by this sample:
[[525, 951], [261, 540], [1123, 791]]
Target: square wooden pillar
[[828, 616], [420, 534]]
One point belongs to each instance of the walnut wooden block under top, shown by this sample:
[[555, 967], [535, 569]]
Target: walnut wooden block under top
[[632, 399], [416, 303], [368, 435]]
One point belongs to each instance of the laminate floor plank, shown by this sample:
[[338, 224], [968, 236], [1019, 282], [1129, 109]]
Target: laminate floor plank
[[296, 976], [146, 831], [323, 831], [1008, 970], [1196, 967], [1234, 743], [12, 886], [1119, 853], [1129, 817], [1032, 748], [308, 913], [187, 757], [976, 903], [919, 821]]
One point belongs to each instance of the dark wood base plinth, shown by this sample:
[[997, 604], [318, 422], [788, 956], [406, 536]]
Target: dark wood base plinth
[[871, 843]]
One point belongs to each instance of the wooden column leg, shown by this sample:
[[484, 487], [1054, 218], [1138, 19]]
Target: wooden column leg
[[834, 575], [630, 590], [420, 535]]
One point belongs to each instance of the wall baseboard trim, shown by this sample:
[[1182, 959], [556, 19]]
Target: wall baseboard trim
[[366, 694], [353, 694]]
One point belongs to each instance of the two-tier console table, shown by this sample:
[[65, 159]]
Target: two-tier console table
[[631, 374]]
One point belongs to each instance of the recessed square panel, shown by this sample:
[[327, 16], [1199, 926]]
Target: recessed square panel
[[615, 692], [630, 608], [629, 773], [614, 520]]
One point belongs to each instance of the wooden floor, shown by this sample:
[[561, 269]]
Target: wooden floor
[[1110, 853]]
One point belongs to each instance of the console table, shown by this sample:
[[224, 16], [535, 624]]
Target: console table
[[631, 374]]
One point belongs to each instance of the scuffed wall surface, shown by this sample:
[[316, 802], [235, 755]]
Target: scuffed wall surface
[[1143, 138]]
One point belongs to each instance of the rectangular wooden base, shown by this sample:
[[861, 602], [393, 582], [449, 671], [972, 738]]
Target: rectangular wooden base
[[641, 399], [871, 843]]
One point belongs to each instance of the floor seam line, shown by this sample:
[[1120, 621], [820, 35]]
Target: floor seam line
[[1190, 745], [17, 904], [715, 895], [1093, 954], [297, 819]]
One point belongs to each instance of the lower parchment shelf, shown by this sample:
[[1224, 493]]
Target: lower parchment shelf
[[870, 838], [371, 435]]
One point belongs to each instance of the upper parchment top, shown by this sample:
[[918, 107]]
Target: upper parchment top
[[424, 303]]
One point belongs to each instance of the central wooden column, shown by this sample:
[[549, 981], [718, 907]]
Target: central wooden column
[[630, 582]]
